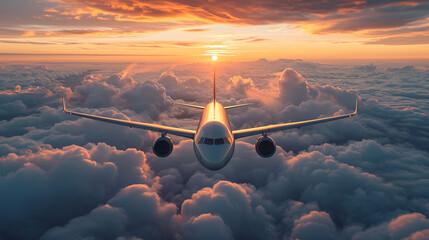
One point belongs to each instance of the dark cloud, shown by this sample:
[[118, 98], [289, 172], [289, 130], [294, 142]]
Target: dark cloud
[[18, 101], [408, 226], [380, 18], [207, 226], [49, 185], [315, 225]]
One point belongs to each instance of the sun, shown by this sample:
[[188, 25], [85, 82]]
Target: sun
[[214, 57]]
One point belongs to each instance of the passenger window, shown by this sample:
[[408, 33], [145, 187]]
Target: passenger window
[[208, 141], [219, 141], [201, 140]]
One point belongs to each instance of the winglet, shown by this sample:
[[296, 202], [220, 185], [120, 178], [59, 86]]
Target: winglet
[[64, 106], [356, 109]]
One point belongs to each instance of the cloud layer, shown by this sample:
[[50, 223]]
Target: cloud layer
[[62, 177]]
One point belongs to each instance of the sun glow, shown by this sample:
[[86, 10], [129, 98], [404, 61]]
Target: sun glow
[[214, 57]]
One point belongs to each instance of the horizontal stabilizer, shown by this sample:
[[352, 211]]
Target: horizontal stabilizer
[[189, 105], [239, 105]]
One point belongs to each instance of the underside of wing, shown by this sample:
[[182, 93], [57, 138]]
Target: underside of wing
[[147, 126], [284, 126]]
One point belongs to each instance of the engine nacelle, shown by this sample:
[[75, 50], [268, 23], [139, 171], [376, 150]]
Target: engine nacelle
[[163, 146], [265, 146]]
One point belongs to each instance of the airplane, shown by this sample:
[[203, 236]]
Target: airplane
[[214, 139]]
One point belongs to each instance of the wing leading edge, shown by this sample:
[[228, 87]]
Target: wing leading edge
[[283, 126], [147, 126]]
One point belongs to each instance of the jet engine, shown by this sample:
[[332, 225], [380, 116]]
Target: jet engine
[[163, 146], [265, 146]]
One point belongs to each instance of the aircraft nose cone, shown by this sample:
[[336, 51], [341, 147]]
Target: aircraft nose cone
[[216, 153], [214, 157]]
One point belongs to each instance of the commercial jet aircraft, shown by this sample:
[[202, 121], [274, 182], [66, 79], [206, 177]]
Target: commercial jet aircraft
[[214, 139]]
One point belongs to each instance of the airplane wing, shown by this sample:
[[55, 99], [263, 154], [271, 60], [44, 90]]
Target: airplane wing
[[283, 126], [147, 126]]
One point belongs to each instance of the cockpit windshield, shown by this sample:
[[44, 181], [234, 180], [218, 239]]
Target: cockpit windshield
[[208, 141], [219, 141], [216, 141]]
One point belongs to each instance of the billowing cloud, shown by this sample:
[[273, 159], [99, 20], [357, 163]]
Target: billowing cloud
[[45, 189], [315, 225], [190, 90], [359, 178], [136, 210]]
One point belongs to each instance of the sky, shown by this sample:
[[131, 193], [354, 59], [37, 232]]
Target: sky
[[134, 30]]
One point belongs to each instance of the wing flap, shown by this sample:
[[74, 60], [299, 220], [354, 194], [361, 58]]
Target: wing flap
[[147, 126]]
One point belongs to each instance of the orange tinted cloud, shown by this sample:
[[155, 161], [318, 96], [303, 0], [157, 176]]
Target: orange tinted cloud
[[248, 28], [340, 12], [361, 18]]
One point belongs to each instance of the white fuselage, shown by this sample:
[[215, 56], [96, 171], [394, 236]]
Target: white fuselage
[[214, 142]]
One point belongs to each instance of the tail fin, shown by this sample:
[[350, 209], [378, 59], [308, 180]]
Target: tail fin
[[214, 84]]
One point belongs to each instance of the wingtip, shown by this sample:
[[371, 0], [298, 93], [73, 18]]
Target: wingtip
[[356, 108], [64, 105]]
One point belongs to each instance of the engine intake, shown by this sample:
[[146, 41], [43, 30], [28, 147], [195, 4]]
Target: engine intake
[[163, 146], [265, 146]]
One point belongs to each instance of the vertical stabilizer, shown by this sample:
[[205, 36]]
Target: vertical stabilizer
[[214, 84]]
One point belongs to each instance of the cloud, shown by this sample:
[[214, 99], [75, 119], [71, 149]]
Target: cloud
[[234, 204], [404, 40], [18, 101], [190, 90], [121, 92], [197, 30], [207, 226], [136, 210], [407, 226], [20, 145], [44, 189], [328, 16], [95, 17], [360, 178], [382, 17], [314, 225], [291, 89]]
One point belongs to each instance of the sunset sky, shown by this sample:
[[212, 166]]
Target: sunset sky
[[175, 30]]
